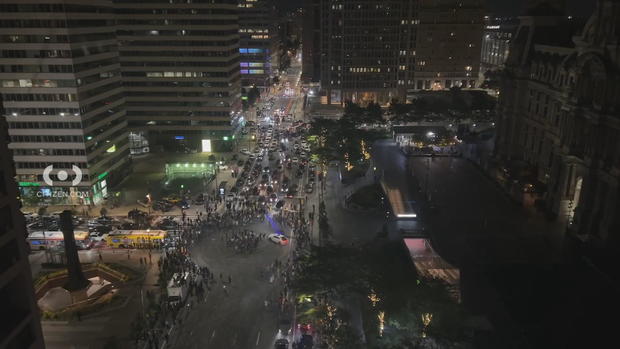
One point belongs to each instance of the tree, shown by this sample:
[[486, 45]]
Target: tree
[[352, 110], [374, 114], [399, 110], [253, 95], [103, 211], [324, 228], [458, 100], [382, 268]]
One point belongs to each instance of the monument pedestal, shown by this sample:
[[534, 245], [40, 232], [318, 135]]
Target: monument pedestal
[[80, 295]]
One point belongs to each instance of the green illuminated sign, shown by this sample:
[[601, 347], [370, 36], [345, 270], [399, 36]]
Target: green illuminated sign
[[102, 176], [225, 138], [29, 184]]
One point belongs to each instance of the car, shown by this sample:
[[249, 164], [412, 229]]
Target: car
[[230, 197], [266, 169], [278, 239], [97, 236], [281, 343], [184, 205], [173, 199], [163, 206], [273, 197], [295, 160], [309, 188]]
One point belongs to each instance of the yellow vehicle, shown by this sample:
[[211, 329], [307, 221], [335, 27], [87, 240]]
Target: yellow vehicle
[[173, 199], [135, 238]]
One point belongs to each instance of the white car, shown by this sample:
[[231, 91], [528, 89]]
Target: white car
[[278, 239], [295, 160]]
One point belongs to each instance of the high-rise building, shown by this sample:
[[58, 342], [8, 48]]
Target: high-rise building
[[375, 50], [360, 49], [311, 43], [63, 99], [496, 38], [257, 43], [19, 314], [448, 43], [180, 68], [558, 110]]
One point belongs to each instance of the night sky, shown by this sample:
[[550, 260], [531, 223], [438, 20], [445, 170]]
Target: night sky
[[499, 7]]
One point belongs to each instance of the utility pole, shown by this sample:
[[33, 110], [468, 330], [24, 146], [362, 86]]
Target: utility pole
[[428, 170]]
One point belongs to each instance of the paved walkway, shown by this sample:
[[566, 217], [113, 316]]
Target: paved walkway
[[93, 331]]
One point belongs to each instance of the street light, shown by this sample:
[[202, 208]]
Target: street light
[[148, 200]]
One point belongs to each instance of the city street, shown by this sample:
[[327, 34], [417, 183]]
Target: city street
[[245, 313]]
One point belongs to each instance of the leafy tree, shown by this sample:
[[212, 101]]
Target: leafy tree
[[253, 95], [103, 211], [399, 111], [352, 109], [458, 100], [374, 114], [385, 270], [324, 228]]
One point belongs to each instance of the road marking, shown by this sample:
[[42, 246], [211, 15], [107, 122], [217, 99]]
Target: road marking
[[258, 338], [212, 335], [234, 340]]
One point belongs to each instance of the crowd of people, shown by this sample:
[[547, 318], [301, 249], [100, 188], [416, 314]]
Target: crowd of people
[[244, 241]]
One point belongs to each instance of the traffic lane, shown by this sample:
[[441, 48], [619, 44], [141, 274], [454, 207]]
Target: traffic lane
[[234, 321]]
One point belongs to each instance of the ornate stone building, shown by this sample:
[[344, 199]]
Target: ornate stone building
[[560, 114]]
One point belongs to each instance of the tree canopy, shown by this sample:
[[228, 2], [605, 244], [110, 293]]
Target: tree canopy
[[383, 270]]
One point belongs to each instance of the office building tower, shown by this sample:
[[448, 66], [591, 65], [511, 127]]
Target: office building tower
[[19, 314], [257, 44], [63, 99], [311, 43], [497, 35], [448, 44], [558, 112], [360, 44], [180, 69]]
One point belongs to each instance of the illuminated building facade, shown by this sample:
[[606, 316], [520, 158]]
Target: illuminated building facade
[[180, 69], [448, 44], [558, 109], [496, 40], [63, 99], [360, 47], [257, 43]]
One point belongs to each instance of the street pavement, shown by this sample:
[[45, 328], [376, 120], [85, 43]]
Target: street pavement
[[94, 331], [238, 317]]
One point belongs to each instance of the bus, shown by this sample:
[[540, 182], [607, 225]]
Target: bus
[[40, 240], [135, 238]]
